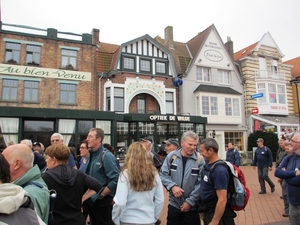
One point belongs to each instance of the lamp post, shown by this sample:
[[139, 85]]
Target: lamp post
[[296, 81], [214, 134]]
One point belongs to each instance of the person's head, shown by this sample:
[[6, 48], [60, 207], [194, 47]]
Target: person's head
[[38, 147], [147, 142], [189, 142], [287, 147], [230, 146], [140, 167], [281, 143], [73, 152], [170, 145], [27, 142], [20, 159], [95, 138], [260, 142], [209, 149], [57, 139], [109, 147], [10, 143], [4, 170], [57, 155], [84, 149], [295, 141]]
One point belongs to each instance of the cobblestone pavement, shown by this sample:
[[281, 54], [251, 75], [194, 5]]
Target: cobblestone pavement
[[261, 209]]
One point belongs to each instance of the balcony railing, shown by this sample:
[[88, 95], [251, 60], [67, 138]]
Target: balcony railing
[[267, 74]]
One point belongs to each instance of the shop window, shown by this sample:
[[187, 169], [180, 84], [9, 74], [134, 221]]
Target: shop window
[[68, 59], [12, 53], [119, 99], [236, 138], [203, 74], [9, 128], [106, 127], [170, 102], [67, 93], [33, 54], [31, 91], [10, 90]]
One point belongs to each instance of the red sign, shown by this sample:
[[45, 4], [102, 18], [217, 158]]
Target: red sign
[[254, 111]]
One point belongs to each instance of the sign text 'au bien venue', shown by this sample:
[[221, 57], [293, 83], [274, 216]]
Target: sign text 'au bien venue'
[[169, 118], [8, 69]]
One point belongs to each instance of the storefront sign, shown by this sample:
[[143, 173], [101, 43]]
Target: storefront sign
[[8, 69], [254, 111], [169, 118]]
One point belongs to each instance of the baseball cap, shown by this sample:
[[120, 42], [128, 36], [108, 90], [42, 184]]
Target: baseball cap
[[36, 143], [172, 141], [260, 140], [147, 139]]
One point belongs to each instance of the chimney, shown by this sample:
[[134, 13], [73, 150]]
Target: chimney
[[229, 46], [169, 34], [96, 36]]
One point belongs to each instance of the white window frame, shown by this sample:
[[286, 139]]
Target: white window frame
[[224, 77], [203, 74], [170, 102], [232, 107], [209, 105]]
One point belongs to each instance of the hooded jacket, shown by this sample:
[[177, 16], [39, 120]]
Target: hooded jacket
[[12, 197], [70, 185]]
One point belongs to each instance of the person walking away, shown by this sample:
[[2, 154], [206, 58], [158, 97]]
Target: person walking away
[[180, 174], [70, 185], [233, 155], [106, 171], [289, 169], [139, 197], [263, 161]]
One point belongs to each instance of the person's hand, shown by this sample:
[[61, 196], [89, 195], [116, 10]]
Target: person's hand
[[185, 207], [279, 180], [270, 168], [297, 173], [177, 191]]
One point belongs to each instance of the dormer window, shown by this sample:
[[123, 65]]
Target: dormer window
[[128, 63]]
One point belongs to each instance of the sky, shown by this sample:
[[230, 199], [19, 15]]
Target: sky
[[120, 21]]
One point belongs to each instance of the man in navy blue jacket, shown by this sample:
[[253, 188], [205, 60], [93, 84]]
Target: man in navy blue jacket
[[289, 169], [263, 161], [233, 155]]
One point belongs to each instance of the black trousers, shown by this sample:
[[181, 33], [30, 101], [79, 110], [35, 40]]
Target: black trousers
[[176, 217], [100, 211]]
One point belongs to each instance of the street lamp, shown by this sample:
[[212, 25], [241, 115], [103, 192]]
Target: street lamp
[[296, 81], [213, 134]]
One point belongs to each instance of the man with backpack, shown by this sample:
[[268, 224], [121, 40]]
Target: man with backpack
[[213, 205], [233, 155], [263, 160]]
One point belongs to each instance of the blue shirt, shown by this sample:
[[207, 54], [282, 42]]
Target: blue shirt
[[263, 157], [233, 156]]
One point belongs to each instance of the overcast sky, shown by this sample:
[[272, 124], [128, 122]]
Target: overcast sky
[[120, 21]]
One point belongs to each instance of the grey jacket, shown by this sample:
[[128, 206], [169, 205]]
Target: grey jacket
[[171, 174]]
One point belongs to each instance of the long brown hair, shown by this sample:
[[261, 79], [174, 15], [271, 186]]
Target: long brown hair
[[140, 168]]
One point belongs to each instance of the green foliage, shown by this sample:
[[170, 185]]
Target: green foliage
[[271, 141]]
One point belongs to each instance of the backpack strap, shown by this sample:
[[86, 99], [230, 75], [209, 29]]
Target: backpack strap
[[105, 150], [28, 203]]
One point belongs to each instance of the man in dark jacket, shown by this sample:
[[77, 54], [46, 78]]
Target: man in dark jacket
[[263, 161], [233, 155], [280, 152]]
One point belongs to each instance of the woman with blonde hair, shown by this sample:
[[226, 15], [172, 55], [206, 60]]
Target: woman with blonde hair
[[139, 197]]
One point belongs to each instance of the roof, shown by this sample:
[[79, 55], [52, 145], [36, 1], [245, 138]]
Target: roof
[[195, 43], [244, 52], [179, 52], [296, 63], [216, 89], [106, 57]]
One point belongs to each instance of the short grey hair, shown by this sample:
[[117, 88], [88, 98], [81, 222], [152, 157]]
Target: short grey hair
[[57, 134], [27, 142], [190, 134], [210, 143]]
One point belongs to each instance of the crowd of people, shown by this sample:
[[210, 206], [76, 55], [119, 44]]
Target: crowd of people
[[50, 186]]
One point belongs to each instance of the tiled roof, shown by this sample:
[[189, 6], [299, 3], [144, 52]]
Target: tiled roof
[[244, 52], [195, 43], [216, 89], [106, 57], [180, 54], [296, 63]]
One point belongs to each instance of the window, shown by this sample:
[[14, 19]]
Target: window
[[10, 90], [161, 67], [128, 63], [203, 74], [261, 88], [209, 105], [12, 52], [224, 77], [169, 102], [33, 54], [141, 103], [232, 107], [68, 93], [108, 102], [31, 91], [145, 65], [272, 93], [281, 94], [119, 99], [68, 59], [274, 66]]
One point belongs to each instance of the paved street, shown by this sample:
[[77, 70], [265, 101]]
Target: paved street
[[261, 209]]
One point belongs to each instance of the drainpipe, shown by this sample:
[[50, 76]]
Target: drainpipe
[[99, 108]]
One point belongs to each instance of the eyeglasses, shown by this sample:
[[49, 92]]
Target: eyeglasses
[[55, 140], [295, 141]]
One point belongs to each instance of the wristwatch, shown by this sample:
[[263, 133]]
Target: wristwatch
[[101, 196]]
